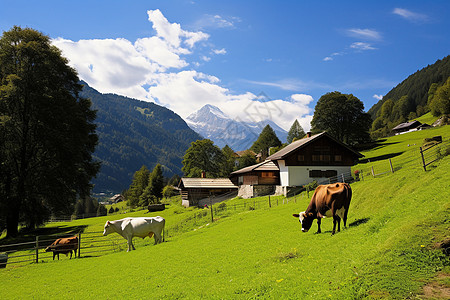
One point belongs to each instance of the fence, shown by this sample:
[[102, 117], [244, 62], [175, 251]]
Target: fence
[[433, 153], [89, 244]]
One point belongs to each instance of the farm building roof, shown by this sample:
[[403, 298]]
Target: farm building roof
[[264, 166], [407, 125], [207, 183], [305, 141]]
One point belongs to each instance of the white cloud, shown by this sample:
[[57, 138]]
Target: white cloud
[[368, 34], [362, 46], [409, 15], [291, 84], [219, 51], [378, 97], [328, 58], [156, 69], [216, 21]]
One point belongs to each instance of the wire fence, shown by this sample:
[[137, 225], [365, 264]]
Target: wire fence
[[434, 152]]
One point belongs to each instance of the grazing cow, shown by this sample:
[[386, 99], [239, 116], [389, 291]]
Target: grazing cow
[[328, 200], [139, 227], [64, 245]]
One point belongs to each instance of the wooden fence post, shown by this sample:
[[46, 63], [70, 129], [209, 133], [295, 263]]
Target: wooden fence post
[[212, 214], [373, 172], [79, 243], [390, 163], [343, 178], [269, 202], [423, 159], [37, 249]]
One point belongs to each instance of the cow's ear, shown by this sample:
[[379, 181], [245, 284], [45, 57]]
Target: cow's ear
[[296, 215], [107, 222]]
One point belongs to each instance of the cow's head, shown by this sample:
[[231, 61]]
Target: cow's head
[[306, 219], [108, 228]]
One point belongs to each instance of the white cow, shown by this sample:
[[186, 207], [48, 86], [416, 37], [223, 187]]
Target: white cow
[[136, 227]]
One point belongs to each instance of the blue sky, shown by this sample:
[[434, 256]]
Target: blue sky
[[184, 54]]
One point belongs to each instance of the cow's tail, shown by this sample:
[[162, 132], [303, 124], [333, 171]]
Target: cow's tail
[[164, 231]]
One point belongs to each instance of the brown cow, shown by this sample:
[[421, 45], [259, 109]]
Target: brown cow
[[328, 200], [64, 245]]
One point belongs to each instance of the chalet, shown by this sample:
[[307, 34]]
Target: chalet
[[195, 189], [116, 198], [406, 127], [315, 157], [257, 180]]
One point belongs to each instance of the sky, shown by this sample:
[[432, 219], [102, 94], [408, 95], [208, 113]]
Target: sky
[[252, 59]]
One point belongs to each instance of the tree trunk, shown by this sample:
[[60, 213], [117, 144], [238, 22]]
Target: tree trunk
[[12, 219]]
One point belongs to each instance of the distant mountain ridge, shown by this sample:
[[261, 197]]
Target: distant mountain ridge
[[211, 123], [133, 133]]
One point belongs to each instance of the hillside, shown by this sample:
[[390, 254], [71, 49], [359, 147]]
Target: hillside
[[133, 133], [416, 86], [392, 248]]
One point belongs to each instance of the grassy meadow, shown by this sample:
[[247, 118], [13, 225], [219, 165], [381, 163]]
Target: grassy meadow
[[390, 249]]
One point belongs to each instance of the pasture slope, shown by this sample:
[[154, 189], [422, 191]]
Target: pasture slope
[[390, 249]]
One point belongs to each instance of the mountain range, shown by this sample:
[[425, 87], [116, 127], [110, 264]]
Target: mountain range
[[211, 123], [133, 133]]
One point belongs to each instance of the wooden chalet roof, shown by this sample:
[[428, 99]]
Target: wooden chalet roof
[[263, 166], [286, 151], [207, 183], [407, 125]]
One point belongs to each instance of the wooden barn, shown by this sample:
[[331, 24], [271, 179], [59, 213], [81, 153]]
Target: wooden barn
[[195, 189]]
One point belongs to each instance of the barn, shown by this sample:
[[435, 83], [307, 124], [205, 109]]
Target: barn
[[195, 189]]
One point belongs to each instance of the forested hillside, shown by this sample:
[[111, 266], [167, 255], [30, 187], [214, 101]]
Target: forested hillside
[[409, 99], [133, 133]]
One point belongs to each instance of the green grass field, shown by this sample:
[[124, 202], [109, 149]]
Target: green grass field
[[390, 250]]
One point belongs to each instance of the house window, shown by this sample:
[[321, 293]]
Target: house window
[[338, 158], [322, 174], [300, 157], [321, 157], [266, 174]]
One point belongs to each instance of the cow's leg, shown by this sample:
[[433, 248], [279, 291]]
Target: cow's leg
[[157, 238], [337, 220], [54, 254], [345, 217], [130, 244], [75, 252], [319, 220], [70, 254]]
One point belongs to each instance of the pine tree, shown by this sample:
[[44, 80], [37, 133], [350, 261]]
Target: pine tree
[[229, 163], [153, 192], [138, 185], [295, 132], [266, 139]]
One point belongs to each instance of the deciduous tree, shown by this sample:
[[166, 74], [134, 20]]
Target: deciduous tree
[[343, 116], [47, 131], [203, 156]]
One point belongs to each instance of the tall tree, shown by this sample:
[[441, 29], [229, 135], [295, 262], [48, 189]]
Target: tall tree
[[153, 192], [266, 139], [203, 156], [343, 116], [295, 132], [138, 185], [47, 130], [247, 159], [229, 163]]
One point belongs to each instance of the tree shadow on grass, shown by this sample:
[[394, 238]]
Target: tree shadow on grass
[[44, 233], [378, 144], [380, 157]]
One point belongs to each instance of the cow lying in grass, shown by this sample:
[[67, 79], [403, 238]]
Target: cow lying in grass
[[136, 227], [64, 246], [330, 200]]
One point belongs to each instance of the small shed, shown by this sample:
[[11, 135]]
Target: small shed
[[264, 173], [116, 198], [195, 189]]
